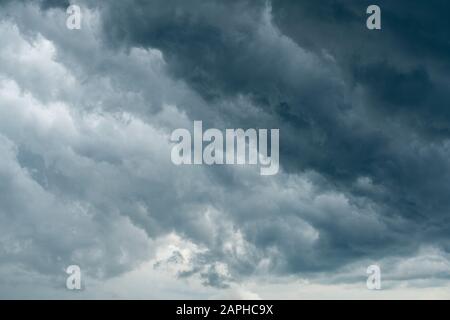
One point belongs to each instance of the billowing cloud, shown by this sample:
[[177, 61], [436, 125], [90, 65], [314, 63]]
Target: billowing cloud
[[86, 117]]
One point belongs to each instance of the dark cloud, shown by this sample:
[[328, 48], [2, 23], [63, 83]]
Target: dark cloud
[[351, 103], [44, 4], [362, 115]]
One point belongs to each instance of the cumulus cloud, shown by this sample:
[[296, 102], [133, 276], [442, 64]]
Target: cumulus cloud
[[86, 176]]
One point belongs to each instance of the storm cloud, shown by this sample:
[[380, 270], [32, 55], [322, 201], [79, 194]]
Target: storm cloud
[[86, 117]]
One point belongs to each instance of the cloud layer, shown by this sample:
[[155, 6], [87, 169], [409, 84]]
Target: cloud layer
[[86, 176]]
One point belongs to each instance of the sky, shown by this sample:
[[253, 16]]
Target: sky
[[86, 177]]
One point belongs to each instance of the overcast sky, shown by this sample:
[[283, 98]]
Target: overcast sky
[[86, 176]]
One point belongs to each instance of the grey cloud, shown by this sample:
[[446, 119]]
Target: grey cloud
[[44, 4], [328, 124], [356, 183]]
